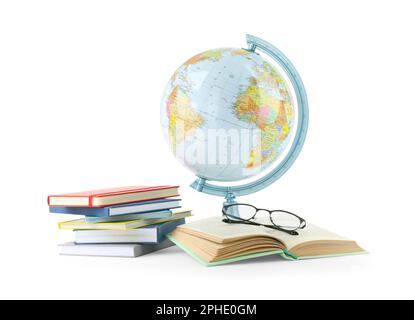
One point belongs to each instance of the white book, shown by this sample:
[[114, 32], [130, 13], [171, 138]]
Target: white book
[[148, 206], [152, 234], [112, 250]]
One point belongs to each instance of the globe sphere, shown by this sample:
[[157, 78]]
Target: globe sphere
[[227, 114]]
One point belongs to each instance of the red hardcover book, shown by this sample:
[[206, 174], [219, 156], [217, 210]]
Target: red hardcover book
[[108, 197]]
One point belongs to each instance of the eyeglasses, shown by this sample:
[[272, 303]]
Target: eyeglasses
[[277, 219]]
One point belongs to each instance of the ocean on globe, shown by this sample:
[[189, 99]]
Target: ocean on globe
[[227, 114]]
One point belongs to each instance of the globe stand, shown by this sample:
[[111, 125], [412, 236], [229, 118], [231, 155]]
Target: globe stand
[[230, 193]]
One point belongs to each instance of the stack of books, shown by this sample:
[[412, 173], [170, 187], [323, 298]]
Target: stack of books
[[121, 222]]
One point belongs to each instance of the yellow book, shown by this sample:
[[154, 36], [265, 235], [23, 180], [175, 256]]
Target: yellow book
[[81, 224]]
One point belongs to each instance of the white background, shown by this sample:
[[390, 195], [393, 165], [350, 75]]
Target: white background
[[80, 86]]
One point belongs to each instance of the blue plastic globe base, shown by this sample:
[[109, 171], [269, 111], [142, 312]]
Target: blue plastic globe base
[[230, 193]]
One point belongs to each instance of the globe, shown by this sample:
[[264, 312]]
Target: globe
[[228, 114]]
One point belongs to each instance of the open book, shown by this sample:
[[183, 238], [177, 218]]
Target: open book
[[214, 242]]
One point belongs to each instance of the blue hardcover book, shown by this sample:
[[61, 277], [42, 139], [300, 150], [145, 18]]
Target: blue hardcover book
[[151, 234], [115, 210]]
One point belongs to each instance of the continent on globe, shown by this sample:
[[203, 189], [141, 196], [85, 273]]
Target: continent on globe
[[258, 105], [183, 119], [227, 114]]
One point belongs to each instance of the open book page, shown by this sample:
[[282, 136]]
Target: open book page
[[210, 251], [214, 229], [308, 234], [213, 240]]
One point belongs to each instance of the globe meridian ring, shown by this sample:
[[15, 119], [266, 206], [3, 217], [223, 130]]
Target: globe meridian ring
[[231, 192]]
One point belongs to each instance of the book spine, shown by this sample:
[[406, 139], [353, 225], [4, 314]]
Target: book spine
[[290, 255]]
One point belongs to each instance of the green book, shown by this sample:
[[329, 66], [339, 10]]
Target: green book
[[213, 242]]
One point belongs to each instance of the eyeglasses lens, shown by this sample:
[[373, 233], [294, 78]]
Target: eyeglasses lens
[[244, 212], [285, 220]]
